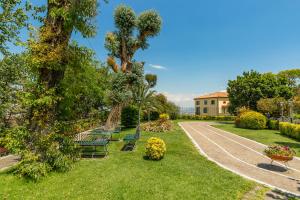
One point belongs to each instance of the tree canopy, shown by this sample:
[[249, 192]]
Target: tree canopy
[[123, 43], [252, 86]]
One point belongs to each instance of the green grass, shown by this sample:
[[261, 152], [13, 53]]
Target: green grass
[[267, 137], [182, 174]]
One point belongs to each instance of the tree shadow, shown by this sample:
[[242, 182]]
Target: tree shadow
[[274, 168]]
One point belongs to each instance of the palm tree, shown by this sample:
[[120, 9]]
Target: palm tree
[[144, 97]]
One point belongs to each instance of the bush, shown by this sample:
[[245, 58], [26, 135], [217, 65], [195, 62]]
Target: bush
[[164, 117], [41, 153], [129, 116], [155, 148], [273, 124], [30, 167], [290, 130], [251, 120]]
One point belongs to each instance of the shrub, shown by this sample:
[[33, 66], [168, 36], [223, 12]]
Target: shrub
[[155, 148], [164, 117], [273, 124], [251, 120], [154, 116], [289, 129], [41, 154], [30, 167], [129, 116]]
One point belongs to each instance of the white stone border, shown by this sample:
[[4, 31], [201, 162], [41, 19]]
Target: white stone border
[[227, 168]]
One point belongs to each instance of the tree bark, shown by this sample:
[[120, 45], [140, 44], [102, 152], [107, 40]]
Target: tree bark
[[114, 117]]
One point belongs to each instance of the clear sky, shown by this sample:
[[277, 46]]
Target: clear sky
[[203, 43]]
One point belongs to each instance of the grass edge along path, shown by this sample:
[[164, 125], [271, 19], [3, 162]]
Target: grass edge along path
[[267, 137], [182, 174]]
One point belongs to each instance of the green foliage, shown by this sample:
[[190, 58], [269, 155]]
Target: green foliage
[[251, 120], [252, 86], [272, 106], [155, 148], [273, 124], [40, 154], [84, 86], [151, 79], [30, 167], [162, 105], [129, 116], [12, 19], [290, 130], [124, 42], [210, 118]]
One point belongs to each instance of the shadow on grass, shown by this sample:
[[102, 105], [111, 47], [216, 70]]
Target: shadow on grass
[[274, 168], [225, 122], [128, 147]]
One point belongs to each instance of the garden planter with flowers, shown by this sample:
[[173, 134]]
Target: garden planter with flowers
[[280, 153]]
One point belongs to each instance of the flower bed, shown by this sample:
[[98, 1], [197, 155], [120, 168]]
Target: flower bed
[[280, 153]]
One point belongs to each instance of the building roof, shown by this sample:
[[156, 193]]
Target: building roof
[[213, 95]]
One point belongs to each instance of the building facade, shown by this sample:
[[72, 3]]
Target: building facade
[[214, 104]]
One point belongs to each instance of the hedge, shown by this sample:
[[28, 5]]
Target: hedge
[[213, 118], [273, 124], [290, 130], [129, 116], [251, 120]]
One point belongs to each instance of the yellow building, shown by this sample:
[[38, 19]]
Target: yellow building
[[213, 104]]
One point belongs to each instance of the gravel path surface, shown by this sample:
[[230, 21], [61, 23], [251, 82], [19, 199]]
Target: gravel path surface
[[243, 156], [8, 161]]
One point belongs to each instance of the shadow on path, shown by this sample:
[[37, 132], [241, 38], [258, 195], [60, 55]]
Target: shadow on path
[[274, 168]]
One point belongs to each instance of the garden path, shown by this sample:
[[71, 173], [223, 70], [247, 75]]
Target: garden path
[[243, 156], [8, 161]]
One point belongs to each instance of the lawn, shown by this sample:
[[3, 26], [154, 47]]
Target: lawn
[[182, 174], [267, 137]]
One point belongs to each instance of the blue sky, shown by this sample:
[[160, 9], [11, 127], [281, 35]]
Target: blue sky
[[203, 43]]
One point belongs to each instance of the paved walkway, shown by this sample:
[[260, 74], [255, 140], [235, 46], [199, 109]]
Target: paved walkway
[[243, 156], [8, 161]]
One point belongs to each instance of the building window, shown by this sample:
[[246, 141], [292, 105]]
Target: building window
[[205, 102], [205, 110], [213, 102], [198, 111], [224, 102], [197, 103]]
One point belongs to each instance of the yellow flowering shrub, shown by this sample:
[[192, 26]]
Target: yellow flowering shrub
[[155, 148], [164, 117]]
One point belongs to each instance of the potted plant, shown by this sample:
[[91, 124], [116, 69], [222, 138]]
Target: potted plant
[[280, 153]]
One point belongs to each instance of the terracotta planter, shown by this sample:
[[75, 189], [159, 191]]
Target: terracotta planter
[[280, 158]]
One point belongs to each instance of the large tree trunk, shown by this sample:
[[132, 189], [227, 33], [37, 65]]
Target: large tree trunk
[[55, 37], [114, 117]]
